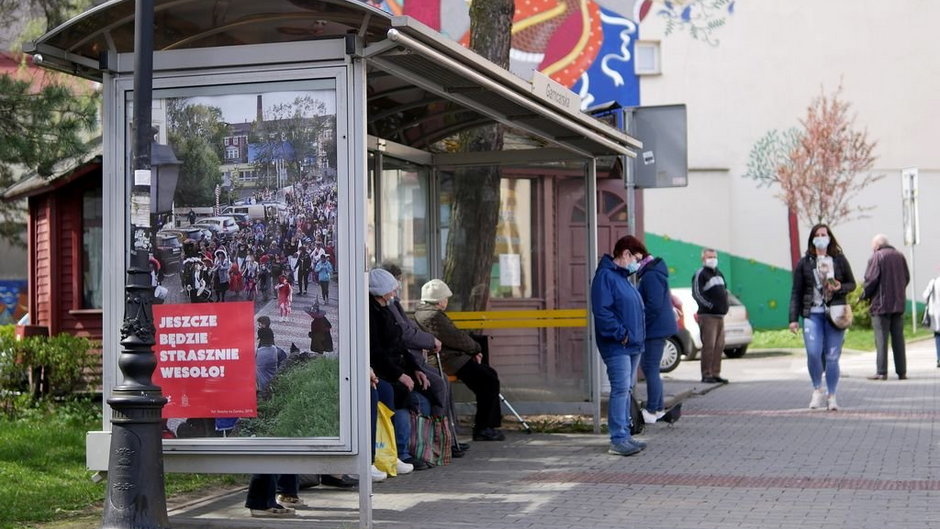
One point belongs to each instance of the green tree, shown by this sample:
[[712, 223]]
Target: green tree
[[472, 235], [300, 125], [196, 133], [39, 126]]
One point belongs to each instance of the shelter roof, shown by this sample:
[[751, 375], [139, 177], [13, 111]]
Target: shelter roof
[[422, 87]]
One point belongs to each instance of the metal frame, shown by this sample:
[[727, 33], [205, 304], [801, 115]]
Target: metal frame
[[275, 454]]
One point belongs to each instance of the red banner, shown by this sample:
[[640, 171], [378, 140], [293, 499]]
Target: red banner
[[206, 359]]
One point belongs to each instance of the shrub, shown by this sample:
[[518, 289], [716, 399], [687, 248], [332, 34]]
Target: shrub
[[63, 363], [861, 316]]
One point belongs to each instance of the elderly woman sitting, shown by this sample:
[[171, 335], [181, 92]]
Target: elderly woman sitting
[[461, 357]]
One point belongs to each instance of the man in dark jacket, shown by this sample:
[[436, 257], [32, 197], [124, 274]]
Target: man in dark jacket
[[886, 278], [711, 294]]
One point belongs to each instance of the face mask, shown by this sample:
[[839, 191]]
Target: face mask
[[821, 243], [633, 267], [711, 262]]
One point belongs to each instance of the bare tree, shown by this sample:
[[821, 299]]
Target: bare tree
[[472, 235], [820, 168], [830, 164]]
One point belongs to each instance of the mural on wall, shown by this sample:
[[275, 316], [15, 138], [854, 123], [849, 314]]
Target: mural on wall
[[701, 18], [578, 43], [13, 300]]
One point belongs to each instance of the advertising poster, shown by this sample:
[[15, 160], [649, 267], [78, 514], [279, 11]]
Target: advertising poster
[[246, 216], [206, 359]]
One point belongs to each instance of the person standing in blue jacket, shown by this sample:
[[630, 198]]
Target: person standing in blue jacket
[[653, 285], [620, 334]]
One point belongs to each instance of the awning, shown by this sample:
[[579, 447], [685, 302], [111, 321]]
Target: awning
[[423, 87]]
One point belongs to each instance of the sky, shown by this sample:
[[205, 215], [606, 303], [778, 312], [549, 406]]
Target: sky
[[241, 108]]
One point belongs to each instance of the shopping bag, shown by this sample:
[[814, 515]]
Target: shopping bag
[[386, 453], [443, 440], [421, 442]]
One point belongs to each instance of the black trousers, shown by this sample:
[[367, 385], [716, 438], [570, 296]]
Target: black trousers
[[262, 488], [892, 325], [484, 383]]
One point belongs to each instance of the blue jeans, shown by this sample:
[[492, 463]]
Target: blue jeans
[[621, 371], [821, 337], [649, 361], [936, 339], [402, 423]]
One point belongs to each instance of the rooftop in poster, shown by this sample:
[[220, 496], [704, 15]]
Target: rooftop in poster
[[423, 87]]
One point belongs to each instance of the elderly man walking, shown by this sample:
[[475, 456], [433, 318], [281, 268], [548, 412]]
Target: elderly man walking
[[886, 278]]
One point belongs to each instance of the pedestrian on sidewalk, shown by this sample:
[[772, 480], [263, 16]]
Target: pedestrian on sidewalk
[[620, 333], [285, 298], [886, 279], [932, 317], [821, 278], [711, 294], [653, 284]]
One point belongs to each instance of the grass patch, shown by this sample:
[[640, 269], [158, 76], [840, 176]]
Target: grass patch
[[42, 465], [857, 337], [304, 402]]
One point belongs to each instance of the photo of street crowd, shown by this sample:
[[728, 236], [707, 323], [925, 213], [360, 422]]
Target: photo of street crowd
[[254, 218]]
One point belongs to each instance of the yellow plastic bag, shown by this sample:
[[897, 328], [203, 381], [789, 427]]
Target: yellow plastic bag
[[386, 453]]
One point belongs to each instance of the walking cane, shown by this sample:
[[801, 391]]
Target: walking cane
[[451, 414]]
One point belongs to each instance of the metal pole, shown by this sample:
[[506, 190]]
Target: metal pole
[[629, 172], [136, 497], [913, 291]]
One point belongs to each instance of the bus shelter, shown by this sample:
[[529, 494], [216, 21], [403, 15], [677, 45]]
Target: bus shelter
[[325, 123]]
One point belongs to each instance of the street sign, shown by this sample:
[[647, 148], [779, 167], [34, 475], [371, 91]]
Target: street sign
[[909, 206]]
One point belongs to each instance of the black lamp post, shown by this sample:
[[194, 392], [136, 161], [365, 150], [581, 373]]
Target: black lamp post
[[136, 498]]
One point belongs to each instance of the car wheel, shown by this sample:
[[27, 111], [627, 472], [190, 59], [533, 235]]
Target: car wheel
[[672, 353], [737, 352]]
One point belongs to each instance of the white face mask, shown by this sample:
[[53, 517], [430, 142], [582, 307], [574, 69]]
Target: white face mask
[[711, 262], [821, 243]]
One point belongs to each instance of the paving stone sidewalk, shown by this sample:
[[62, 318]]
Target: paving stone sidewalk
[[746, 455]]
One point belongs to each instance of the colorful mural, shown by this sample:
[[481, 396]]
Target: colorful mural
[[13, 300], [578, 43]]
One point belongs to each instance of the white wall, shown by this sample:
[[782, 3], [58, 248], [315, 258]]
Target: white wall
[[772, 60]]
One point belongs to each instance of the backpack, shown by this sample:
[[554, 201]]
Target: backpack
[[637, 424]]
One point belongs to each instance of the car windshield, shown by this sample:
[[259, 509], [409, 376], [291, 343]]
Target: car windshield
[[170, 242]]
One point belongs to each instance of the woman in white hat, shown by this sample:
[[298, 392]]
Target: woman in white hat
[[461, 357]]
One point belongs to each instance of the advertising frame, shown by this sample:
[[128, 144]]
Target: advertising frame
[[240, 67]]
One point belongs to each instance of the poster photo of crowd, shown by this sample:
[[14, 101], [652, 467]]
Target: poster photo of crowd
[[248, 244]]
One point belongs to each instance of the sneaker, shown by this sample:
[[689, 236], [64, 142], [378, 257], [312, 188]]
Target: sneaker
[[819, 398], [378, 476], [623, 449], [648, 417], [404, 468], [637, 443], [660, 414], [833, 406], [273, 512], [289, 501]]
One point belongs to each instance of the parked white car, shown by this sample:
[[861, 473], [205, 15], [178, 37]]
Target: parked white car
[[219, 224], [738, 331]]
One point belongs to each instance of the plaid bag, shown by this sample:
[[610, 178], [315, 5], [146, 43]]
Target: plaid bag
[[421, 442], [443, 440]]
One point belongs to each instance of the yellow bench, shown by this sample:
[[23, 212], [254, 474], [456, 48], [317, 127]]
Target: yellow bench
[[511, 319]]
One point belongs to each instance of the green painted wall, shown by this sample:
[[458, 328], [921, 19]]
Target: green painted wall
[[764, 289]]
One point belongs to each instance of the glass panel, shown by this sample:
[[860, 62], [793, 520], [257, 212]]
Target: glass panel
[[403, 228], [250, 296], [91, 248]]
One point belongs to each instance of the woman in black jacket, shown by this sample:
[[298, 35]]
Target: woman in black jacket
[[822, 278]]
